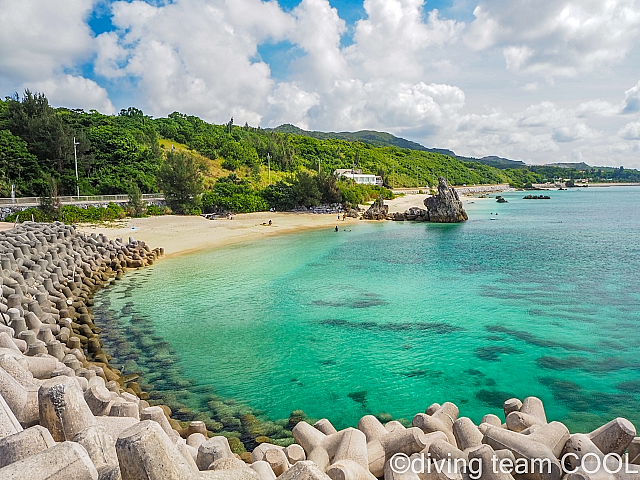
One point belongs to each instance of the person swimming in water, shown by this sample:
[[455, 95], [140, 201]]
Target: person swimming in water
[[336, 228]]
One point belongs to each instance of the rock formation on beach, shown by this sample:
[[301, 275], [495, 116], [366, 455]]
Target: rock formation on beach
[[445, 206], [377, 211], [415, 214]]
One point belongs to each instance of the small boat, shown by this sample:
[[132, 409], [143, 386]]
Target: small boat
[[493, 218]]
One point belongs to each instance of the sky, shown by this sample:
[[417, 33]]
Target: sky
[[541, 81]]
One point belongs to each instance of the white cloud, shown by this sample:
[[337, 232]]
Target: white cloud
[[395, 42], [196, 56], [631, 131], [317, 31], [38, 38], [597, 108], [632, 99], [74, 92], [483, 32], [40, 43], [290, 104], [558, 37]]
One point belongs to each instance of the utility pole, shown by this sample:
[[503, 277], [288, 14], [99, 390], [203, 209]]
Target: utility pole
[[13, 193], [318, 165], [75, 156], [269, 166], [393, 182]]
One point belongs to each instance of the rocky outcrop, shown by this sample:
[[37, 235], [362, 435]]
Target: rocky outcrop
[[377, 211], [536, 197], [415, 214], [501, 199], [445, 206]]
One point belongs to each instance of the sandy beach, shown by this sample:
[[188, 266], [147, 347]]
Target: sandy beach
[[182, 234], [179, 234]]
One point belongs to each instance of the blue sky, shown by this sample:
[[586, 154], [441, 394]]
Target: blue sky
[[550, 81]]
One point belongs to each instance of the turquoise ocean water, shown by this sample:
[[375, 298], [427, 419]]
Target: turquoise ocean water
[[391, 317]]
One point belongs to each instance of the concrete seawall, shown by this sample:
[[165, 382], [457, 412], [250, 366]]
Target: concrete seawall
[[6, 210], [470, 190]]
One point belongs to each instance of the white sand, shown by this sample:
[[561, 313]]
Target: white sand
[[181, 234], [178, 234]]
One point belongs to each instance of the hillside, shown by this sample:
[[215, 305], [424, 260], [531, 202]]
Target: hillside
[[383, 139], [377, 139], [576, 166], [244, 168]]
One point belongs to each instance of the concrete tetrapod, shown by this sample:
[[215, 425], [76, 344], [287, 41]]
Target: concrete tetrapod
[[391, 472], [102, 451], [295, 453], [350, 461], [263, 469], [382, 444], [146, 452], [24, 444], [319, 448], [22, 401], [511, 405], [580, 452], [541, 463], [157, 415], [613, 437], [63, 409], [530, 413], [8, 422], [260, 451], [440, 421], [554, 435], [634, 451], [64, 461], [305, 470], [213, 449], [490, 466], [467, 434]]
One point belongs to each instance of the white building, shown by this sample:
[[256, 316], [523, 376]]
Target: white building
[[356, 175]]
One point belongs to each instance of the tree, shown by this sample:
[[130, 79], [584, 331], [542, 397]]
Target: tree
[[135, 200], [49, 201], [328, 188], [306, 190], [280, 196], [180, 178], [16, 164]]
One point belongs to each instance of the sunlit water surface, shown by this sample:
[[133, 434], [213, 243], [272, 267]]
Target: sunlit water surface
[[391, 317]]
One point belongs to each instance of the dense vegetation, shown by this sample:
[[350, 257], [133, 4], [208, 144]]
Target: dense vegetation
[[221, 167]]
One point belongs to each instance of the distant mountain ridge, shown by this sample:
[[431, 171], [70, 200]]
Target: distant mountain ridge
[[577, 166], [384, 139]]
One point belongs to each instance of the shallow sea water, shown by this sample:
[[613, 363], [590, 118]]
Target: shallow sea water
[[391, 316]]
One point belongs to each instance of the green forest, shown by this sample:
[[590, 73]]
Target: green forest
[[199, 165]]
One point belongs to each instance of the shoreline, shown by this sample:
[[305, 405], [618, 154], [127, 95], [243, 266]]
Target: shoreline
[[180, 235]]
